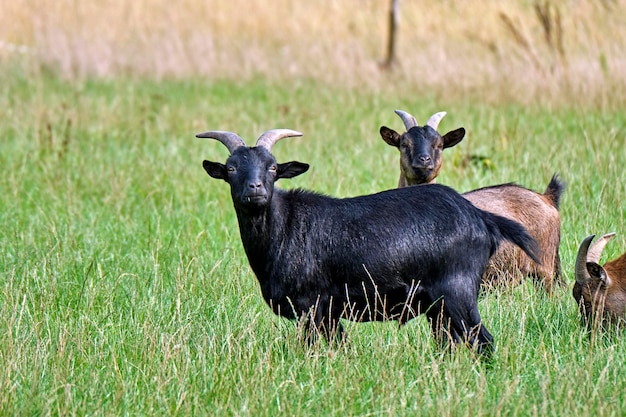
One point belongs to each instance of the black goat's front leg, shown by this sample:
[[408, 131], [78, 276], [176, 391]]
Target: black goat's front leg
[[320, 321]]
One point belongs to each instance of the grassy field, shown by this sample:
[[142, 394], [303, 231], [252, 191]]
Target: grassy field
[[124, 288]]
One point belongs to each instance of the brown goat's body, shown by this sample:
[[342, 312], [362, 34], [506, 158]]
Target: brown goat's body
[[539, 214]]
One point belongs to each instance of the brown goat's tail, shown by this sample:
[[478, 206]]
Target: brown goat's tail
[[554, 190]]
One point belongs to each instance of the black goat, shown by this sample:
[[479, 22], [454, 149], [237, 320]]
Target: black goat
[[391, 255]]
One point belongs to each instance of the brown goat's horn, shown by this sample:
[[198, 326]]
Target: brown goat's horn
[[231, 140], [435, 119], [408, 120], [270, 137], [595, 251], [581, 273]]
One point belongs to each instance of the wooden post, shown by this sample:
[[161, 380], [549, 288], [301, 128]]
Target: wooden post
[[394, 21]]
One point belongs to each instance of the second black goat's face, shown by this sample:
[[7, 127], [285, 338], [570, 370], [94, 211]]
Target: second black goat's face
[[421, 149], [251, 173]]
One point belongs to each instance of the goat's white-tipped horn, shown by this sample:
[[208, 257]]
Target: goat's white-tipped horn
[[435, 119], [231, 140], [408, 120], [595, 251], [270, 137], [580, 270]]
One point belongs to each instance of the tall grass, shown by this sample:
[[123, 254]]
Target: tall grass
[[124, 288], [537, 51]]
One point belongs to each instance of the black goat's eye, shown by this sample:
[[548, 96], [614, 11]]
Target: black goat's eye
[[273, 168], [231, 169]]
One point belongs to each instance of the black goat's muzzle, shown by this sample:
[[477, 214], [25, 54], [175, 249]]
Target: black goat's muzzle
[[254, 197]]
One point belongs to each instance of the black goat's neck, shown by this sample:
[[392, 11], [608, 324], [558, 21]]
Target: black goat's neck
[[259, 231]]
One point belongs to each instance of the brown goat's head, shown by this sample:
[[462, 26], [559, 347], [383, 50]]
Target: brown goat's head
[[420, 148], [600, 290]]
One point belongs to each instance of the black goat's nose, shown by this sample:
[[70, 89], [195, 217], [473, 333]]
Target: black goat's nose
[[424, 158], [254, 185]]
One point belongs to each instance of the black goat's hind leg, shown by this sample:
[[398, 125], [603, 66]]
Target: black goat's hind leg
[[468, 324], [484, 344], [440, 326], [454, 322]]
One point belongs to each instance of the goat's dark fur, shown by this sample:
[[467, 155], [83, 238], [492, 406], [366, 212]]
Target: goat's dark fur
[[386, 256]]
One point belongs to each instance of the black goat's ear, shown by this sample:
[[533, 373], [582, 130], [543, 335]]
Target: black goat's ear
[[291, 169], [390, 136], [215, 169], [453, 137]]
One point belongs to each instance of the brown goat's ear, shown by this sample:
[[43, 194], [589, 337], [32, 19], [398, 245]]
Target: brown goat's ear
[[390, 136], [291, 169], [215, 170], [453, 137], [598, 273]]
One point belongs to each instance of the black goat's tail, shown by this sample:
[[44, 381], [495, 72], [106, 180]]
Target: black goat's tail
[[506, 229]]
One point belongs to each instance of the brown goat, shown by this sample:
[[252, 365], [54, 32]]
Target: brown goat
[[420, 148], [600, 291], [538, 213]]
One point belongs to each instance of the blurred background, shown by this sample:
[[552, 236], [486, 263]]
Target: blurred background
[[505, 50]]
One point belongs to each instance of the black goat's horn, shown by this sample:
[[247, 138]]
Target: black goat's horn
[[408, 120], [231, 140], [270, 137], [435, 119]]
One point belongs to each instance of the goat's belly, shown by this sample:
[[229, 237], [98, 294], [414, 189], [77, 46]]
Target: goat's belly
[[400, 305], [380, 307]]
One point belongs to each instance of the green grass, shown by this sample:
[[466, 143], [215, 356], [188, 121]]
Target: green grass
[[124, 288]]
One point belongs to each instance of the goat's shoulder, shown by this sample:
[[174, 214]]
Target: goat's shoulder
[[299, 196], [617, 270]]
